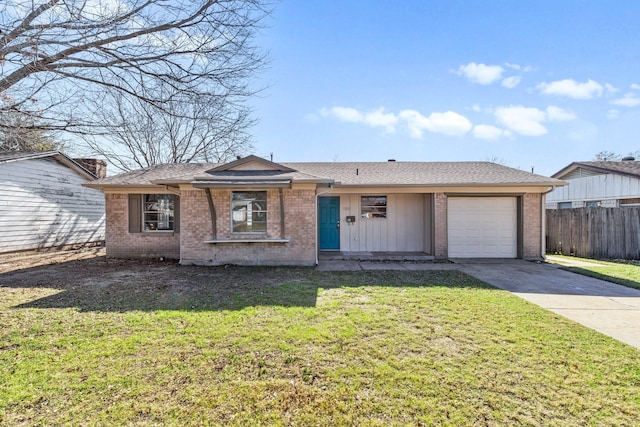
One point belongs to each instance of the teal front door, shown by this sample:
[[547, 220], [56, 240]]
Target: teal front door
[[329, 223]]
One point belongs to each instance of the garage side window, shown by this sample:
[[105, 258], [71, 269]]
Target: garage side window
[[373, 207], [158, 212], [249, 211]]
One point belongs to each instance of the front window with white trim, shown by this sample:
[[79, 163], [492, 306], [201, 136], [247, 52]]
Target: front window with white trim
[[249, 211], [158, 212]]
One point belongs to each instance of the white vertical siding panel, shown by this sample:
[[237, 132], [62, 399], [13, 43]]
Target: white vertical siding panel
[[395, 231], [402, 231], [42, 204], [598, 187]]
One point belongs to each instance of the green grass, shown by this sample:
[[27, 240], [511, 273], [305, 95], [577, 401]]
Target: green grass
[[625, 273], [147, 344]]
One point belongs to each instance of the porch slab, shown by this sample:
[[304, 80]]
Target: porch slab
[[374, 256]]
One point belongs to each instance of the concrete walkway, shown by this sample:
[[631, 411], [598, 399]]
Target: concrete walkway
[[608, 308]]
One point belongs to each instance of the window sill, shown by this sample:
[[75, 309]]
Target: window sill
[[217, 241]]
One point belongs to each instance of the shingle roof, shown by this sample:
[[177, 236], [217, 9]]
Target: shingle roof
[[629, 168], [423, 173], [344, 174], [142, 177]]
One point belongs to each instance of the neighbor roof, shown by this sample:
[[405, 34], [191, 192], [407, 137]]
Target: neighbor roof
[[628, 168], [357, 174], [13, 156]]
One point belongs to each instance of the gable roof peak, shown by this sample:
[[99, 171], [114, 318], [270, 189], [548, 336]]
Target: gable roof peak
[[251, 163], [627, 168]]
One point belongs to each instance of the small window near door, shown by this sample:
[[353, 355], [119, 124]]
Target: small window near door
[[593, 204], [373, 206], [630, 202], [564, 205]]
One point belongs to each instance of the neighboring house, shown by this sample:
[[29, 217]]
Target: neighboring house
[[43, 203], [256, 212], [597, 184]]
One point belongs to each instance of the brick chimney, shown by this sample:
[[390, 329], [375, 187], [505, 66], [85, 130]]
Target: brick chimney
[[95, 166]]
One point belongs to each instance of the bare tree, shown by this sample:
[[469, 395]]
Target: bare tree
[[20, 133], [134, 134], [496, 159], [605, 156], [57, 57]]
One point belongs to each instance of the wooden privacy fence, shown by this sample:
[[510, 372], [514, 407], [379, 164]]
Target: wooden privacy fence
[[609, 233]]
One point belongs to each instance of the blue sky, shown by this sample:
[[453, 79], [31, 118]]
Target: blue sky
[[532, 84]]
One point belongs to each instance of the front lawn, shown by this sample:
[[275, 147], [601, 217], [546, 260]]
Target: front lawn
[[129, 343], [625, 273]]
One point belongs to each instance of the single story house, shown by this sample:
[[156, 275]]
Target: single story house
[[252, 211], [609, 184], [43, 203]]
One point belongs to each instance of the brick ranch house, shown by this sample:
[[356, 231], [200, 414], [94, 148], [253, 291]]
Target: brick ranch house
[[255, 212]]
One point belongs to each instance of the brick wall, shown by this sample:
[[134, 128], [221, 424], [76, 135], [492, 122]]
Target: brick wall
[[299, 211], [441, 242], [531, 226], [122, 244], [95, 166], [530, 221]]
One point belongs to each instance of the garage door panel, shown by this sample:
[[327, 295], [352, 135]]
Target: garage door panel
[[482, 227]]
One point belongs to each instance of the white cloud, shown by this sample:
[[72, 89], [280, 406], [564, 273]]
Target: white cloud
[[522, 120], [557, 114], [613, 114], [610, 88], [380, 118], [447, 123], [635, 86], [375, 118], [481, 73], [511, 82], [489, 132], [344, 114], [518, 67], [628, 100], [572, 89]]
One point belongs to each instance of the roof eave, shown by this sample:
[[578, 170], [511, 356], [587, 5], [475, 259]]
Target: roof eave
[[468, 184], [170, 181], [59, 157], [120, 186], [243, 184], [575, 165]]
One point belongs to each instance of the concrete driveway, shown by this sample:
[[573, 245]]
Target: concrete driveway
[[608, 308]]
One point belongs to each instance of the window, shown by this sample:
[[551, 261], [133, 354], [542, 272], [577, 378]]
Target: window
[[564, 205], [630, 202], [373, 206], [158, 212], [249, 211], [593, 204]]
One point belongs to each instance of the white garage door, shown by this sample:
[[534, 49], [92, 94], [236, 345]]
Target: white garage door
[[482, 227]]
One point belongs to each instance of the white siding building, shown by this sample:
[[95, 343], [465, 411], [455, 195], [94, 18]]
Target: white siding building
[[43, 202], [597, 184]]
